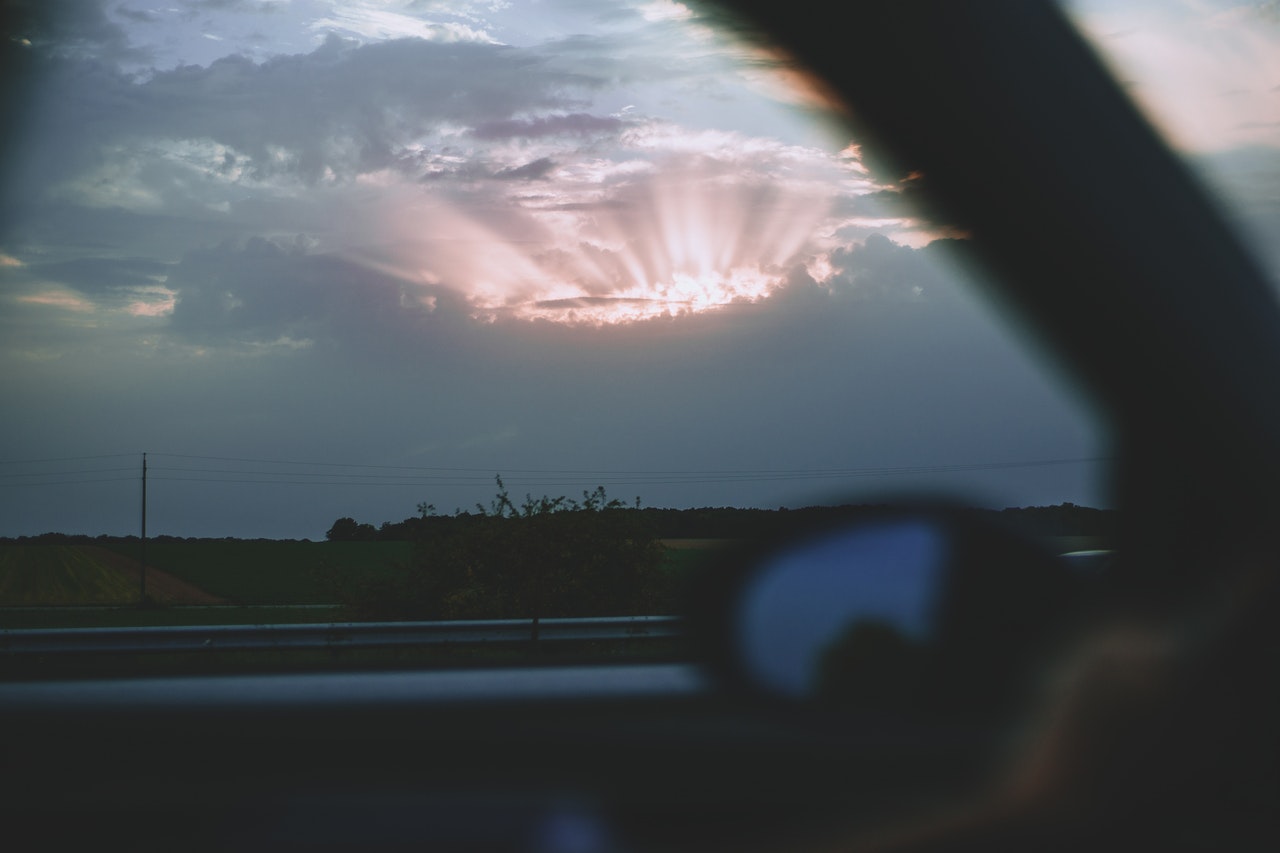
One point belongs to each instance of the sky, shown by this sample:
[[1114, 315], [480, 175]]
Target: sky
[[323, 259]]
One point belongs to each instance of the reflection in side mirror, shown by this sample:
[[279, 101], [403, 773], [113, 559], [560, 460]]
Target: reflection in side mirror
[[918, 612], [874, 585]]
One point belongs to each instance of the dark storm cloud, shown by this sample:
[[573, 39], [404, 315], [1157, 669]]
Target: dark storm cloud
[[604, 13], [433, 169], [37, 40], [573, 124], [476, 168], [532, 171], [66, 28], [92, 275], [340, 110], [261, 292], [883, 202], [194, 8], [907, 196], [627, 58], [344, 107], [98, 231], [219, 4], [141, 16], [882, 269]]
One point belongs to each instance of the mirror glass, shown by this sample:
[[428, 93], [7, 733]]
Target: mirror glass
[[864, 595], [911, 612]]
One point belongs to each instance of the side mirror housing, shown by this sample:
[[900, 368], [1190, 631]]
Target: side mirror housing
[[922, 612]]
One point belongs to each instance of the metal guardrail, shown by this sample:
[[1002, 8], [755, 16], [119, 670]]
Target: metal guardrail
[[333, 636]]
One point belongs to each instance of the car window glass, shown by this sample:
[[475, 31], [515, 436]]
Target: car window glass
[[1207, 75], [332, 265]]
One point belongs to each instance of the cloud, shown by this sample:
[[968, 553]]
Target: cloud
[[635, 213], [105, 289], [535, 170], [220, 5], [67, 28], [61, 230], [261, 292], [212, 9], [54, 298], [368, 22], [142, 16], [92, 275], [882, 270], [572, 124], [336, 113]]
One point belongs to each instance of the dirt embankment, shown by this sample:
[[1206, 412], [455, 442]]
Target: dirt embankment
[[162, 587]]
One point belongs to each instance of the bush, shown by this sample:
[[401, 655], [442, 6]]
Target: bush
[[544, 557]]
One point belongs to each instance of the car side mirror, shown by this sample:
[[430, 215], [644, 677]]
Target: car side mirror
[[908, 611]]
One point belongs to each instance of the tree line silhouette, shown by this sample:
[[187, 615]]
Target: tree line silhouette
[[1065, 519], [560, 557]]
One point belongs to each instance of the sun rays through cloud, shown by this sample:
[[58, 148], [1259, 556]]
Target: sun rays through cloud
[[678, 245], [664, 245]]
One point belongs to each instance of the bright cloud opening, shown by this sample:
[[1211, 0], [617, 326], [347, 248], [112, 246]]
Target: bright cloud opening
[[683, 242], [152, 302]]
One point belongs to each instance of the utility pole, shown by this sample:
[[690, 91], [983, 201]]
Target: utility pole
[[142, 588]]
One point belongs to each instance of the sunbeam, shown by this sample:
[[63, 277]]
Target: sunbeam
[[689, 241]]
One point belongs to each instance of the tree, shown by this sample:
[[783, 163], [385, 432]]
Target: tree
[[542, 557], [349, 530]]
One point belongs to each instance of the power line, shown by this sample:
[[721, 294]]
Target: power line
[[63, 473], [508, 473], [65, 459], [69, 482], [434, 477]]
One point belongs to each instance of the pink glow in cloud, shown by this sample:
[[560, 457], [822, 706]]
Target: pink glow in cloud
[[613, 242]]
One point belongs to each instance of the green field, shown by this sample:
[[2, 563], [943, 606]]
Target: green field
[[248, 571], [263, 582], [62, 575], [291, 572], [42, 585], [80, 585]]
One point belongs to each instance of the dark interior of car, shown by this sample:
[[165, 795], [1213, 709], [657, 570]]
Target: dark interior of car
[[1147, 720]]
